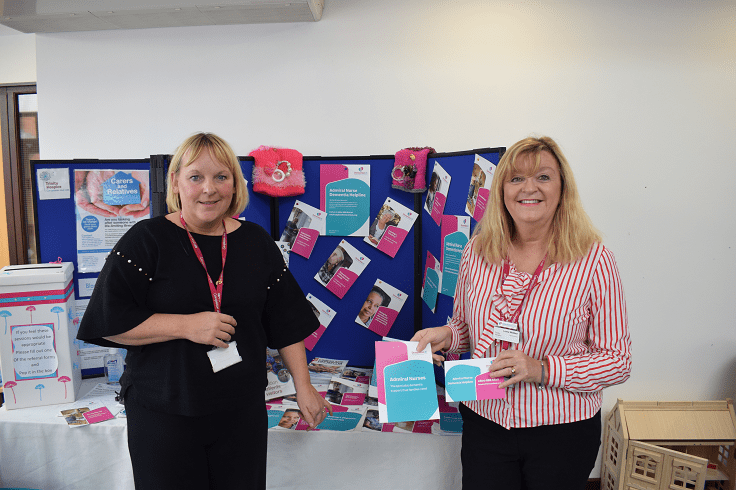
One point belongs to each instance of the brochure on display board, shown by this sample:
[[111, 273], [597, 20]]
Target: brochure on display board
[[285, 249], [53, 183], [345, 195], [455, 234], [480, 186], [432, 281], [342, 268], [381, 307], [439, 185], [324, 314], [467, 380], [406, 383], [108, 204], [390, 228], [304, 226]]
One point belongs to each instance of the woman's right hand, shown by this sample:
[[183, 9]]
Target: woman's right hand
[[210, 328], [439, 338]]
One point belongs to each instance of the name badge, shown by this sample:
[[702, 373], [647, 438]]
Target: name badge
[[507, 332], [223, 357]]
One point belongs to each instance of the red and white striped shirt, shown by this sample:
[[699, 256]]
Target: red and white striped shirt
[[575, 316]]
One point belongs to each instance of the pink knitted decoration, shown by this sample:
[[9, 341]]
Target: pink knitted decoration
[[410, 169], [277, 172]]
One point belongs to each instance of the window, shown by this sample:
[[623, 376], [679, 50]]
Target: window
[[19, 128]]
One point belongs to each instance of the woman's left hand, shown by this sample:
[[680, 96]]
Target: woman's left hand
[[314, 408], [517, 367]]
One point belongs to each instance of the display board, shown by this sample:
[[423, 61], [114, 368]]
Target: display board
[[397, 272]]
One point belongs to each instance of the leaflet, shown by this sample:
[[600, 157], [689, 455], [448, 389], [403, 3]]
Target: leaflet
[[391, 226], [345, 194], [480, 187], [285, 249], [280, 382], [439, 185], [469, 379], [455, 233], [342, 268], [324, 314], [432, 281], [322, 370], [304, 226], [406, 384], [381, 307]]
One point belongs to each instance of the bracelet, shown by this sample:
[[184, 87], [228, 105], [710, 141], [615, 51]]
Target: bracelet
[[541, 380]]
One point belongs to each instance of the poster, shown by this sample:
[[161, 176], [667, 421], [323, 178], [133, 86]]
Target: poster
[[342, 268], [324, 314], [390, 227], [304, 226], [455, 234], [108, 204], [432, 281], [480, 185], [439, 185], [406, 383], [53, 183], [345, 195], [380, 308]]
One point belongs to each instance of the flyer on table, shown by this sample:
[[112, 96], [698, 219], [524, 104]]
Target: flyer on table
[[469, 379], [455, 233], [391, 226], [108, 203], [280, 382], [432, 281], [345, 195], [439, 185], [480, 186], [406, 383], [381, 307], [304, 226], [342, 268], [324, 314]]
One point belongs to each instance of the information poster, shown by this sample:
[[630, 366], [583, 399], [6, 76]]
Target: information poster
[[345, 195], [108, 204], [432, 281], [304, 226], [381, 307], [467, 380], [342, 268], [455, 234], [53, 183], [34, 351], [406, 383], [324, 314], [390, 228], [480, 185], [439, 185]]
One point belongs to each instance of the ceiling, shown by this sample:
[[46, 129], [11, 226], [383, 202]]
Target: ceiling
[[35, 16]]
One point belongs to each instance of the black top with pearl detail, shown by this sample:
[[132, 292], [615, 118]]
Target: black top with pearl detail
[[153, 269]]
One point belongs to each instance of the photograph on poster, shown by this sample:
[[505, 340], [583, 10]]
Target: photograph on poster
[[342, 268], [390, 227], [439, 185], [380, 308], [480, 186], [304, 226]]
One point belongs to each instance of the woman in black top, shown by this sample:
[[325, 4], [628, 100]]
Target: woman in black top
[[174, 288]]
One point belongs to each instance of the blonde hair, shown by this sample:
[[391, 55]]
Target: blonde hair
[[572, 232], [189, 151]]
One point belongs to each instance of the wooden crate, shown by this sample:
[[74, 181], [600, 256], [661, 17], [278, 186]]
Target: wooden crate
[[669, 445]]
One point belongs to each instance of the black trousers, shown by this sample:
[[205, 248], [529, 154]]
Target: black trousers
[[548, 457], [224, 451]]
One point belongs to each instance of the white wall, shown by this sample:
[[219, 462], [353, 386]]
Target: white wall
[[642, 100], [17, 56]]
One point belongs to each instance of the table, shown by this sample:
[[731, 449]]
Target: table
[[41, 451]]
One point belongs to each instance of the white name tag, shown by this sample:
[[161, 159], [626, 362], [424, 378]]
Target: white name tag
[[223, 357], [507, 332]]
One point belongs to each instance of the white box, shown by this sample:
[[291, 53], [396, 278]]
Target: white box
[[38, 356]]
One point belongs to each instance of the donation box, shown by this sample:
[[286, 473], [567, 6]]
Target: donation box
[[38, 356]]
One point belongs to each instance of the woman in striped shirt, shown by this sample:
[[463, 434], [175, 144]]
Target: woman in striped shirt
[[539, 292]]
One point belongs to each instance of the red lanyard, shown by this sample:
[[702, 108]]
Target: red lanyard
[[535, 277], [216, 292]]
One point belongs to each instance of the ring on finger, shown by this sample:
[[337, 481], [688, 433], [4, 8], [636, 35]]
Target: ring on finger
[[513, 371]]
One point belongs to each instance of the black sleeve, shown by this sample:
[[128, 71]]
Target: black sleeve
[[118, 302], [288, 317]]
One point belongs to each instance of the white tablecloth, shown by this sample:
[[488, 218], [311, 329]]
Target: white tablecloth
[[40, 451]]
